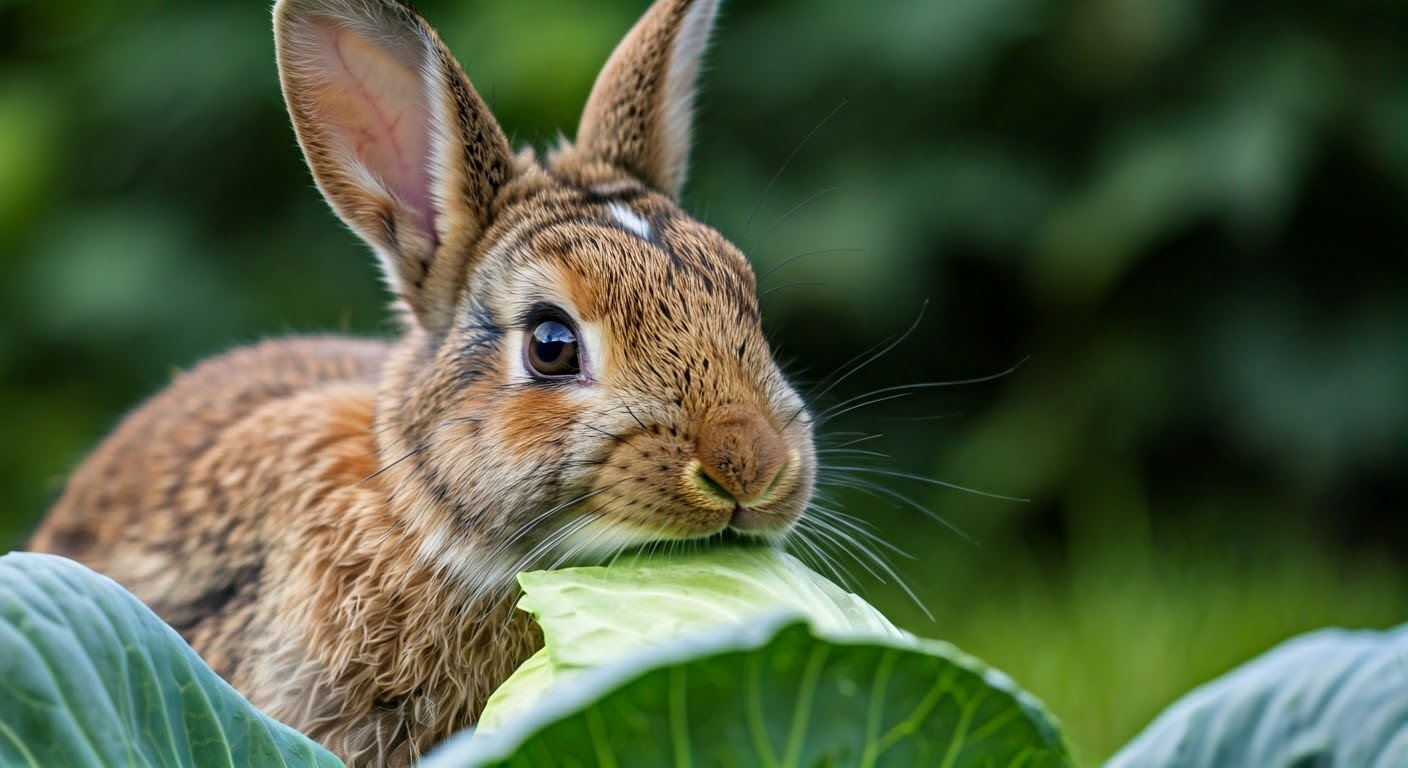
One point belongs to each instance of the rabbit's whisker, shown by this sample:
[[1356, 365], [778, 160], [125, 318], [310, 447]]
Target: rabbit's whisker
[[852, 452], [613, 436], [856, 527], [791, 259], [859, 362], [907, 388], [931, 417], [531, 524], [881, 492], [834, 411], [799, 283], [409, 454], [855, 437], [802, 544], [636, 419], [749, 223], [929, 480], [875, 557], [753, 247], [525, 563]]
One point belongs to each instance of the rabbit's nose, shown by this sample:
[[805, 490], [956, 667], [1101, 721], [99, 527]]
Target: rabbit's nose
[[740, 453]]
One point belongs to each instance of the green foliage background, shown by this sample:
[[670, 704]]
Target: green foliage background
[[1190, 218]]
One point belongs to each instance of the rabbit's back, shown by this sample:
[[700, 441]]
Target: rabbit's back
[[175, 502]]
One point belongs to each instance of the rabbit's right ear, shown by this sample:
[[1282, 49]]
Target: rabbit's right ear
[[398, 141]]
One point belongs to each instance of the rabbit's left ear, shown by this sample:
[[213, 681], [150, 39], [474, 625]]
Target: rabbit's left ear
[[639, 113]]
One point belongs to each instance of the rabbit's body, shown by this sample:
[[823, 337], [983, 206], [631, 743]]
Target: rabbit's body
[[243, 505], [335, 525]]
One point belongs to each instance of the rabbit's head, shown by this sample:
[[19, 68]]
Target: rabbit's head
[[583, 369]]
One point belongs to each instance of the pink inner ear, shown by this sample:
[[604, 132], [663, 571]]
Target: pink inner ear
[[372, 105]]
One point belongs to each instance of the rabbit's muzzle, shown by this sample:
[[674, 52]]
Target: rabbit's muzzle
[[740, 454]]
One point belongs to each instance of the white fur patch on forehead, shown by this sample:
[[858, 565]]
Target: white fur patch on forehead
[[632, 221]]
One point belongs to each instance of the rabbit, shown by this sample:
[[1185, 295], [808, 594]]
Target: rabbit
[[335, 524]]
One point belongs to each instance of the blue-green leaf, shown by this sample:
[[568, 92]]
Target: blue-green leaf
[[89, 676], [1329, 698]]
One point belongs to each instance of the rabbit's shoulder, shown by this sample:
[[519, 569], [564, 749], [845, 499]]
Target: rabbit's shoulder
[[137, 477]]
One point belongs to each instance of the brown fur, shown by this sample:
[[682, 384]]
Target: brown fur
[[334, 524]]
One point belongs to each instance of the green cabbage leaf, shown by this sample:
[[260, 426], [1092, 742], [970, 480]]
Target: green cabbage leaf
[[742, 656]]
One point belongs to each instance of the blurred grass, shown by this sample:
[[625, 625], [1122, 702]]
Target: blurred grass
[[1189, 219]]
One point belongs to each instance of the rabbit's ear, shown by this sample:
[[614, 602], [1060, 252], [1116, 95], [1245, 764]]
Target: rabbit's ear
[[638, 115], [400, 144]]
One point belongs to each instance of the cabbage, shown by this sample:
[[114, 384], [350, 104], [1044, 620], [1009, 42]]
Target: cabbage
[[594, 616]]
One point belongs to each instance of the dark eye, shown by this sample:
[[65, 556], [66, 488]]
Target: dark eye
[[552, 349]]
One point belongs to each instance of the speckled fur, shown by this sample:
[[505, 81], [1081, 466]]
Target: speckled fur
[[335, 524]]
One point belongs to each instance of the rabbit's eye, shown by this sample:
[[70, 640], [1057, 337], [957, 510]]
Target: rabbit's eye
[[552, 350]]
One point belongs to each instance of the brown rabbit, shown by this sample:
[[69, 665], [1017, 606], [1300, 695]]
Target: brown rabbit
[[335, 524]]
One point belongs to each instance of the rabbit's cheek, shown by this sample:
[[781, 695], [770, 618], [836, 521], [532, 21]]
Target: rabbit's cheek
[[648, 490], [537, 419]]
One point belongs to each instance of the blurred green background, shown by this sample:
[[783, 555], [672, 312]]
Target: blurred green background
[[1189, 218]]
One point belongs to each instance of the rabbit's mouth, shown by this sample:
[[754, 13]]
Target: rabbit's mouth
[[748, 520]]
